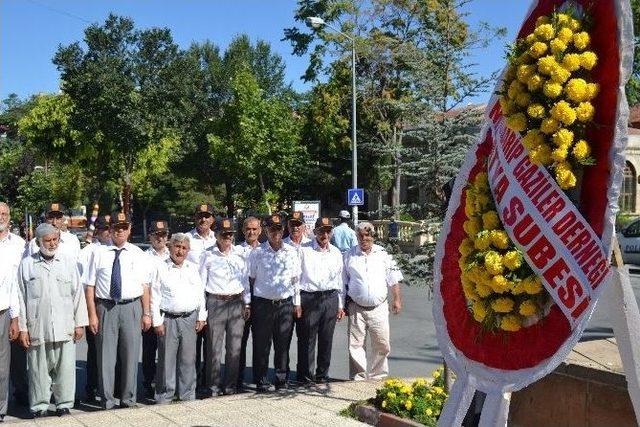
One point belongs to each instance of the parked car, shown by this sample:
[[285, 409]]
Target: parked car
[[629, 240]]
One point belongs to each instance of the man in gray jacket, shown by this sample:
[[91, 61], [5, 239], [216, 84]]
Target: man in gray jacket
[[53, 315]]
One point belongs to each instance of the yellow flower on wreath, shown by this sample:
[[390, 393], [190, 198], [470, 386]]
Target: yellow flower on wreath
[[588, 60], [581, 40], [592, 90], [563, 112], [512, 260], [483, 290], [502, 305], [564, 137], [535, 82], [510, 323], [517, 122], [582, 150], [585, 111], [557, 46], [541, 155], [528, 308], [493, 263], [552, 89], [536, 111], [560, 74], [499, 239], [564, 176], [565, 34], [571, 61], [537, 49], [545, 32], [490, 220], [577, 90], [560, 154], [532, 139], [483, 241], [547, 64], [549, 125], [499, 284]]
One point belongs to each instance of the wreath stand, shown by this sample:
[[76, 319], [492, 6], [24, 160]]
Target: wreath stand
[[620, 303]]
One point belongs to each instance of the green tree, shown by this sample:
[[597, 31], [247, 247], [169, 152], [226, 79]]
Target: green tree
[[633, 86], [128, 92], [256, 143]]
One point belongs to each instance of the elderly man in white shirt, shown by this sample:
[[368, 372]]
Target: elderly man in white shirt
[[274, 268], [102, 240], [11, 250], [53, 315], [178, 307], [369, 271], [297, 231], [69, 243], [117, 293], [251, 229], [224, 273], [322, 297], [158, 253]]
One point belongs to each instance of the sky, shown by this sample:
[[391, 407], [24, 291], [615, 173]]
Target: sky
[[32, 30]]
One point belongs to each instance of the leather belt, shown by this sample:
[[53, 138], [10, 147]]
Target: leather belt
[[320, 293], [367, 307], [176, 315], [119, 302], [274, 301], [224, 297]]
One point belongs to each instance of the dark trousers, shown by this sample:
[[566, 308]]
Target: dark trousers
[[91, 387], [272, 321], [243, 351], [149, 348], [201, 359], [319, 310], [18, 373]]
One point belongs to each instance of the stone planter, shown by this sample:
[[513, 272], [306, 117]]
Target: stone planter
[[372, 416]]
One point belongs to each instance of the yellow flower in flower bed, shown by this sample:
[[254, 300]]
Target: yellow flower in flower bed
[[528, 308], [502, 305], [511, 323]]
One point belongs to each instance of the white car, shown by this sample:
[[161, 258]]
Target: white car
[[629, 240]]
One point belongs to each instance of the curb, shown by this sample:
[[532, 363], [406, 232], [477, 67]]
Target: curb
[[372, 416]]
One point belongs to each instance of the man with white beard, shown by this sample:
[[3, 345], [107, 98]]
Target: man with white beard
[[11, 249], [53, 315], [69, 243]]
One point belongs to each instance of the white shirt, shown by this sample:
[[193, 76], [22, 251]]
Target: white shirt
[[199, 244], [368, 276], [155, 254], [176, 290], [225, 274], [12, 248], [69, 244], [86, 256], [303, 242], [134, 270], [245, 249], [276, 273], [321, 270]]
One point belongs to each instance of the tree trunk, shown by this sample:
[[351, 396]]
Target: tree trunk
[[395, 191], [263, 190], [126, 194], [229, 199]]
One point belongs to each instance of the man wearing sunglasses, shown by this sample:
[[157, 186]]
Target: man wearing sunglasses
[[224, 273], [117, 294], [297, 231], [322, 301], [69, 244]]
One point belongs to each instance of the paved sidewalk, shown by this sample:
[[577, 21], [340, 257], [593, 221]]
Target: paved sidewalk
[[317, 405]]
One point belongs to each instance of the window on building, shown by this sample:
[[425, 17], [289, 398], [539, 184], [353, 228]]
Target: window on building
[[627, 200]]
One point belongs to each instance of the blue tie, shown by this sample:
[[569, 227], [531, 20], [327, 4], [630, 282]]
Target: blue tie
[[115, 291]]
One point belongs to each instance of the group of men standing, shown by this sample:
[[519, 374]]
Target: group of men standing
[[187, 301]]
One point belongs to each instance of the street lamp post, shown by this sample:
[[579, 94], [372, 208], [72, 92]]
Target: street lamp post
[[317, 22]]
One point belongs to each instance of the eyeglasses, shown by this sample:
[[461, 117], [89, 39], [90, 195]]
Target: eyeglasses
[[120, 227], [203, 215]]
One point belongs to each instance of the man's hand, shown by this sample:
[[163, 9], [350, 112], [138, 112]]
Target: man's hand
[[297, 311], [14, 329], [199, 325], [78, 332], [146, 322], [396, 307], [94, 324], [24, 340], [159, 330], [246, 314], [340, 314]]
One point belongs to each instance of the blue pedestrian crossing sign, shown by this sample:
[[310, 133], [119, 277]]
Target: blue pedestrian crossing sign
[[355, 197]]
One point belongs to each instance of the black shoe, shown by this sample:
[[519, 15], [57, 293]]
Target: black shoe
[[282, 386], [263, 388], [62, 411], [40, 414], [322, 380], [148, 392], [229, 391], [129, 405]]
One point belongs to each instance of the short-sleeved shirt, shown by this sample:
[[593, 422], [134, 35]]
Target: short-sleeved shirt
[[344, 238], [134, 271], [321, 270], [225, 274], [176, 289], [12, 247], [368, 276], [276, 273], [199, 244]]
